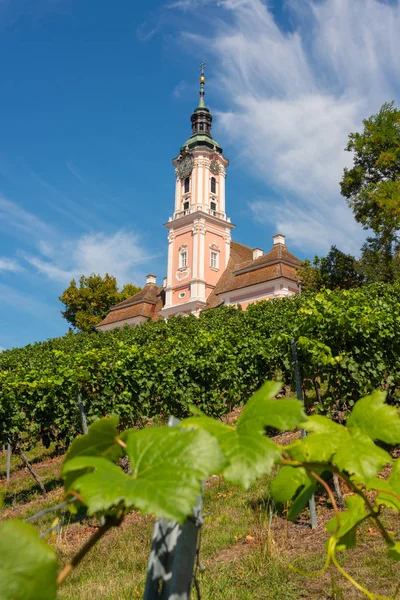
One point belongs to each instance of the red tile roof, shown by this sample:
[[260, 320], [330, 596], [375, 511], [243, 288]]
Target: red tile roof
[[242, 271], [145, 303]]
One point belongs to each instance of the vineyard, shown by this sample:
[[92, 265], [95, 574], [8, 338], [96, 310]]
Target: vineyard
[[199, 370], [348, 344]]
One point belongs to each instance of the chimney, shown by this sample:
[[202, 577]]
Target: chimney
[[164, 282], [257, 252], [151, 279], [278, 238]]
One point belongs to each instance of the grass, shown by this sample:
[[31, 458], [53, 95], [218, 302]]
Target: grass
[[247, 556]]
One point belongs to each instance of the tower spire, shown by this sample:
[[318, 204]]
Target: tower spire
[[202, 82]]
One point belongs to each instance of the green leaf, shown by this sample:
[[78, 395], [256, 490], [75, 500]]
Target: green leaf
[[376, 419], [313, 448], [394, 551], [324, 426], [293, 483], [287, 482], [28, 567], [167, 467], [349, 519], [389, 491], [101, 440], [360, 457], [354, 452], [264, 411], [249, 451]]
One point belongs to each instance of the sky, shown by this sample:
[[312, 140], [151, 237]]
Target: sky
[[96, 100]]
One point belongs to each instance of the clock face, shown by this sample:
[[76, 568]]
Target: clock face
[[214, 166], [185, 166]]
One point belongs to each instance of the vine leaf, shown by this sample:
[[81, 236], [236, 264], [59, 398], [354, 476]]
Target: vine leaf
[[394, 551], [389, 490], [293, 483], [249, 451], [101, 440], [349, 519], [28, 567], [167, 467], [349, 448], [360, 457], [376, 419]]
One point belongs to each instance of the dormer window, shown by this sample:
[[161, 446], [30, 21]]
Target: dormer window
[[186, 185], [213, 185]]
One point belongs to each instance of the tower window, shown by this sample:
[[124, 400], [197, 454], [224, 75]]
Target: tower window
[[186, 206], [213, 185], [213, 206], [186, 185], [214, 259], [201, 126], [183, 259]]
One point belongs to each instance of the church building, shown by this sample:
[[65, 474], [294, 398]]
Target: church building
[[206, 269]]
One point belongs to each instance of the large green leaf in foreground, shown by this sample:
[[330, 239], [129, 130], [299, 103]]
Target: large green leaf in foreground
[[376, 419], [28, 567], [349, 448], [167, 467], [249, 451], [101, 440]]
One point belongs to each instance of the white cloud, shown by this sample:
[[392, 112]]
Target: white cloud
[[9, 264], [118, 254], [16, 220], [179, 89], [295, 96]]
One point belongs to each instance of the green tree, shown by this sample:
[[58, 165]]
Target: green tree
[[336, 270], [372, 188], [88, 303], [309, 273]]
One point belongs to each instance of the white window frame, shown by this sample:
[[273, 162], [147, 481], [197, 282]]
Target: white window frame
[[183, 256], [214, 259]]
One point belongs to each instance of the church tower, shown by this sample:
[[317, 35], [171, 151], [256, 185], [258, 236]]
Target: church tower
[[199, 232]]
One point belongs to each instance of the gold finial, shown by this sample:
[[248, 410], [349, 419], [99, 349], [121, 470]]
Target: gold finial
[[202, 67]]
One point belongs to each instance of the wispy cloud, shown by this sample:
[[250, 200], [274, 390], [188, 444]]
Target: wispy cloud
[[179, 89], [9, 264], [75, 171], [20, 222], [295, 95], [118, 254]]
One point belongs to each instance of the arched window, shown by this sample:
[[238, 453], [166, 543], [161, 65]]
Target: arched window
[[213, 185], [186, 185], [201, 126]]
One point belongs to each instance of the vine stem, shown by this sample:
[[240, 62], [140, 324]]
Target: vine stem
[[373, 512], [85, 549], [355, 583], [330, 494]]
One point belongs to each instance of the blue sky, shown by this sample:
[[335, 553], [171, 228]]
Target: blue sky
[[96, 100]]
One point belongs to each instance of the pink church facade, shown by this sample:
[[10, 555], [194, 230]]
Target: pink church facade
[[205, 267]]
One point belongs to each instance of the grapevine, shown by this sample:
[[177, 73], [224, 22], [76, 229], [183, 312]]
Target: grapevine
[[173, 461]]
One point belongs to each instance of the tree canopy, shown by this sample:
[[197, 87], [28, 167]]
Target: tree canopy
[[372, 189], [336, 270], [87, 303]]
